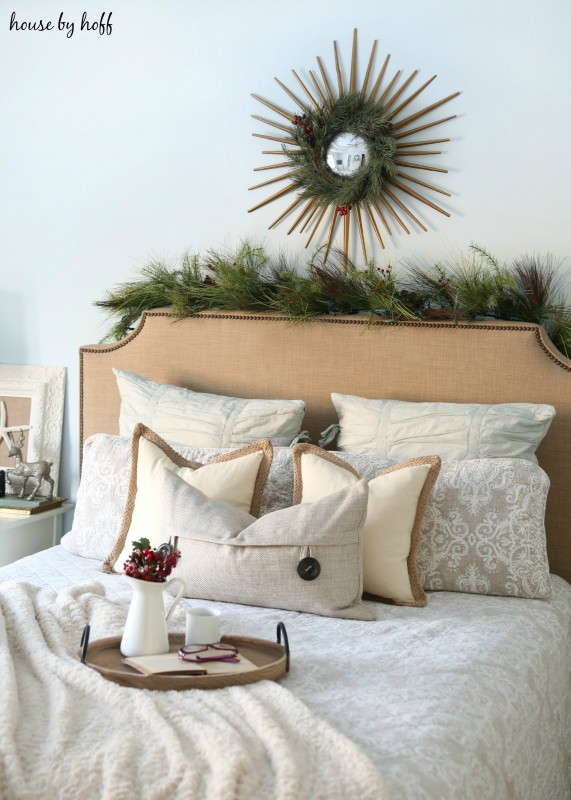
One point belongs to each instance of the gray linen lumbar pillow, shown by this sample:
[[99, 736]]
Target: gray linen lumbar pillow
[[303, 558]]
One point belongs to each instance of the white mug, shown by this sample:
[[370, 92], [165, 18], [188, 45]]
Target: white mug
[[202, 626]]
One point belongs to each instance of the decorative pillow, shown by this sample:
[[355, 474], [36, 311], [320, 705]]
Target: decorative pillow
[[237, 477], [302, 558], [278, 491], [396, 506], [455, 431], [484, 530], [204, 420], [101, 496], [102, 493]]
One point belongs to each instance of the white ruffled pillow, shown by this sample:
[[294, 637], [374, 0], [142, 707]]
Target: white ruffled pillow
[[398, 430], [204, 420]]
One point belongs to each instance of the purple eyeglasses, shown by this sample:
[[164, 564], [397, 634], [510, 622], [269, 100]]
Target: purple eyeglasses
[[191, 652]]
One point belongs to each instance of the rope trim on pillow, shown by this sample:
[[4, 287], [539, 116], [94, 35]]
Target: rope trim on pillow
[[434, 464]]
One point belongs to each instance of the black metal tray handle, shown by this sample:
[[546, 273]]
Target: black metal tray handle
[[282, 630], [84, 643]]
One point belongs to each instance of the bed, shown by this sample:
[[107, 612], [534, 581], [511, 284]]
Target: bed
[[467, 697]]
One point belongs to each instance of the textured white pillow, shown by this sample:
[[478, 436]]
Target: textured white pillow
[[204, 420], [238, 478], [229, 555], [391, 534], [397, 429]]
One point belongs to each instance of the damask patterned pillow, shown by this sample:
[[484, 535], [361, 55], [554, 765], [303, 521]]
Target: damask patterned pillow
[[101, 496], [484, 529]]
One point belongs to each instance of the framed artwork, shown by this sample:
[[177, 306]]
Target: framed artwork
[[32, 400]]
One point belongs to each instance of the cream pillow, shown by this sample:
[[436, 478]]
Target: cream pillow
[[302, 558], [398, 429], [102, 492], [396, 506], [237, 477], [204, 420]]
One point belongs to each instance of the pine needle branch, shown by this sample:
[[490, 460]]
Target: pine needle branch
[[468, 286]]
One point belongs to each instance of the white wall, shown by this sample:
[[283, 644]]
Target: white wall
[[116, 147]]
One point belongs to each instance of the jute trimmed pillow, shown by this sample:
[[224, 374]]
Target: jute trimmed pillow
[[238, 477], [391, 534], [302, 558]]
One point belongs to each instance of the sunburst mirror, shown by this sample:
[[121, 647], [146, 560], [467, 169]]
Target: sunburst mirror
[[348, 154]]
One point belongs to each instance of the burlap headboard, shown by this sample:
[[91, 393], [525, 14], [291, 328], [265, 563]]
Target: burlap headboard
[[251, 355]]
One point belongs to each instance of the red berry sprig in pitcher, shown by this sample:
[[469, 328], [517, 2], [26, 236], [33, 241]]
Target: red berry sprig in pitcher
[[151, 564]]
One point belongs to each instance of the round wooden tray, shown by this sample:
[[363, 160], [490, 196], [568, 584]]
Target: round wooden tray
[[270, 658]]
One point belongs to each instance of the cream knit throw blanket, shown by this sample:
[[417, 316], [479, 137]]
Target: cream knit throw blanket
[[66, 732]]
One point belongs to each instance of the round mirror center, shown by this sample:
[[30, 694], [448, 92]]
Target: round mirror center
[[346, 153]]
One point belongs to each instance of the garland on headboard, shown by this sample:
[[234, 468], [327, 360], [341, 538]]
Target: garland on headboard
[[470, 286]]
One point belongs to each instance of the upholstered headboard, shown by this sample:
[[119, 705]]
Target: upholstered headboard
[[256, 355]]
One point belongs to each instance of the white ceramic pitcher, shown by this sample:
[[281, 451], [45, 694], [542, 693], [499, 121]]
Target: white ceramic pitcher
[[146, 632]]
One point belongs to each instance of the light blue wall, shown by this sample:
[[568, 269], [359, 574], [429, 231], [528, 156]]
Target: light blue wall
[[116, 147]]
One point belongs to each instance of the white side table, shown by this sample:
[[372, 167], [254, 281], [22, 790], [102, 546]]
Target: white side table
[[24, 534]]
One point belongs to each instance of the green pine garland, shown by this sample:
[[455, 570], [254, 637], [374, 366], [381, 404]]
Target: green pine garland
[[248, 279], [313, 133]]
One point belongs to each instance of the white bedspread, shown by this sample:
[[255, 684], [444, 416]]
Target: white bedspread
[[66, 732], [466, 699]]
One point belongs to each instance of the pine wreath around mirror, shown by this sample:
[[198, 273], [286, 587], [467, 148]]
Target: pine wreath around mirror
[[354, 153]]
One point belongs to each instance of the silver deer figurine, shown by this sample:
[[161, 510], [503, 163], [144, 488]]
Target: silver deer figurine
[[38, 470]]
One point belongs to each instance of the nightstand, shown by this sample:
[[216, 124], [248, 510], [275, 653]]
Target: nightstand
[[22, 535]]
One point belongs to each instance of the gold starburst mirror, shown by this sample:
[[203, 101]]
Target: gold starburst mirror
[[348, 153]]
